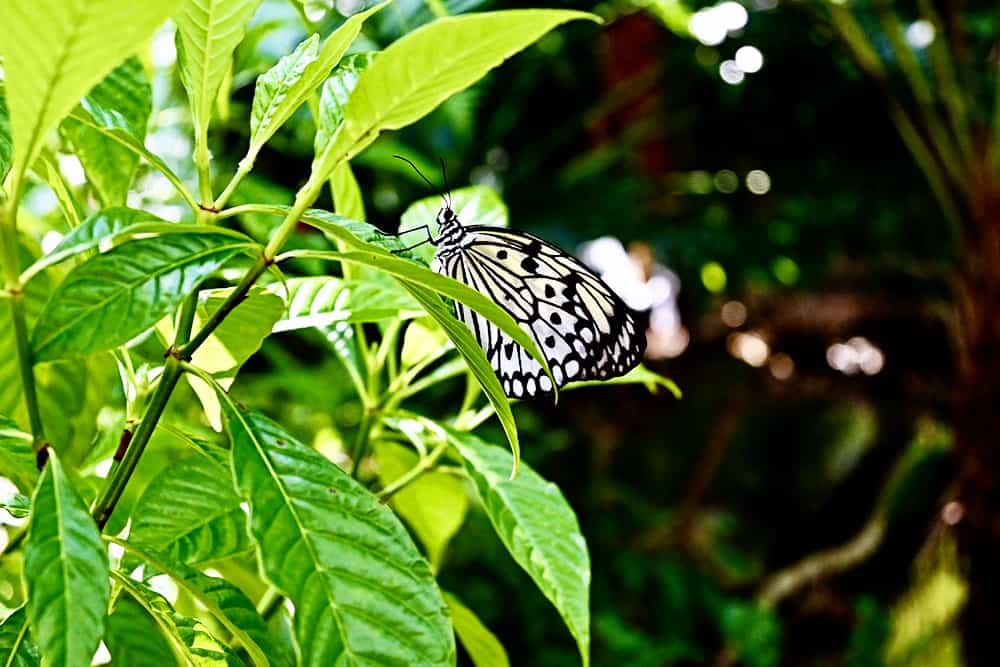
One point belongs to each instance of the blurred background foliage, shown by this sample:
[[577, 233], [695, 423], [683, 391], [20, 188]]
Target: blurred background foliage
[[800, 504]]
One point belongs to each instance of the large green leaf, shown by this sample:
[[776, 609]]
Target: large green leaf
[[54, 51], [482, 645], [334, 95], [479, 365], [322, 301], [65, 571], [273, 86], [16, 646], [208, 31], [191, 641], [538, 527], [227, 603], [191, 512], [134, 639], [362, 593], [434, 504], [420, 70], [112, 126], [17, 460], [285, 87], [90, 235], [6, 144], [110, 167], [115, 296]]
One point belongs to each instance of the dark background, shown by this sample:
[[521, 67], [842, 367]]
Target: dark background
[[823, 518]]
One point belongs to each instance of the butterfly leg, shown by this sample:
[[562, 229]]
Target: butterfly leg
[[427, 231]]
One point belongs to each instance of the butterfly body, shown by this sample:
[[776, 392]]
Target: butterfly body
[[583, 329]]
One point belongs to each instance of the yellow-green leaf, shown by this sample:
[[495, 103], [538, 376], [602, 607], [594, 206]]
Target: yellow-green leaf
[[54, 51]]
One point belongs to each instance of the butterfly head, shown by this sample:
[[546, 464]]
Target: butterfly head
[[449, 227]]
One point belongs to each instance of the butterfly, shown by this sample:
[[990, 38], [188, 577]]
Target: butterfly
[[583, 329]]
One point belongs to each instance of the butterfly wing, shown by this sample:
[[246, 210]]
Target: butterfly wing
[[582, 328]]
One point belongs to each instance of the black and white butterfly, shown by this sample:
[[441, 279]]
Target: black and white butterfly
[[583, 329]]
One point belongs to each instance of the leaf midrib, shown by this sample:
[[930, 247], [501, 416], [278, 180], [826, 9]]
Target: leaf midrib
[[132, 285], [335, 608], [75, 30]]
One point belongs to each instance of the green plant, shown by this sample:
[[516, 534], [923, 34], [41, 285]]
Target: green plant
[[272, 519]]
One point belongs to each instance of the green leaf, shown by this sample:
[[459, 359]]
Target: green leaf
[[16, 646], [191, 512], [278, 103], [208, 32], [414, 274], [134, 639], [422, 69], [6, 144], [347, 200], [90, 235], [17, 460], [638, 375], [115, 296], [362, 593], [65, 571], [482, 645], [474, 205], [538, 527], [112, 126], [322, 301], [227, 603], [477, 362], [191, 641], [334, 95], [54, 51], [434, 504], [17, 505], [110, 167], [274, 85], [47, 168]]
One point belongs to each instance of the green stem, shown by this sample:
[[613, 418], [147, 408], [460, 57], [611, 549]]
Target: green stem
[[15, 294], [425, 464], [185, 321], [104, 506], [270, 602], [232, 301], [361, 440], [244, 167]]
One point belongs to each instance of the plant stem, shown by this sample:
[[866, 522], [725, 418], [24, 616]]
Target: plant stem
[[232, 301], [425, 464], [244, 167], [361, 440], [104, 506], [270, 602], [15, 294]]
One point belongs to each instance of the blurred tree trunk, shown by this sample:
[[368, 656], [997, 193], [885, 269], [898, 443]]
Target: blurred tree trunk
[[977, 424]]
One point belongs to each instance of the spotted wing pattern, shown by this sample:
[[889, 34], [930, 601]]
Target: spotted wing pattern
[[582, 328]]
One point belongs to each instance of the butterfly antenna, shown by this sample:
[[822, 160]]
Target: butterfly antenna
[[444, 178], [421, 174]]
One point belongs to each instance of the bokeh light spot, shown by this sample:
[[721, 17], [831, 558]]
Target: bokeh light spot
[[758, 182], [749, 59], [726, 181], [713, 277], [785, 270], [734, 314]]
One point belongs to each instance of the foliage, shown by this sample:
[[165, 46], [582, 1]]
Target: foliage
[[255, 529]]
